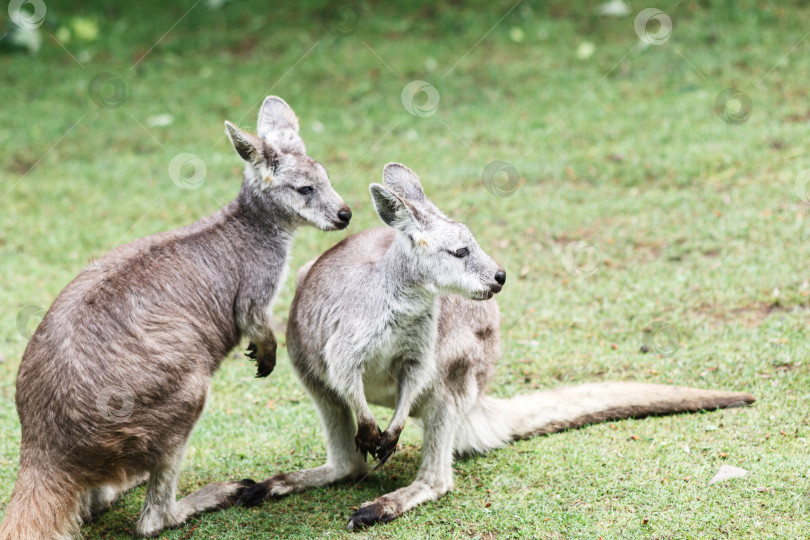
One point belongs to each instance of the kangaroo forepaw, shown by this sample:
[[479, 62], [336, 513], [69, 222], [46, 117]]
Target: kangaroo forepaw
[[367, 439], [385, 448], [265, 364], [265, 358]]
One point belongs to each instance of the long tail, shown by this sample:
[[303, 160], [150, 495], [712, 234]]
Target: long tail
[[43, 506], [493, 422]]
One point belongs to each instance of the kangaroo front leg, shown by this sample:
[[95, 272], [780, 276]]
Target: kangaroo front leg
[[435, 476], [255, 319], [413, 377], [368, 434]]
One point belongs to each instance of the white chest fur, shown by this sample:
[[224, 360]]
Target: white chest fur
[[403, 343]]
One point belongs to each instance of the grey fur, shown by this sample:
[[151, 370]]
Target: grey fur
[[117, 374], [372, 321]]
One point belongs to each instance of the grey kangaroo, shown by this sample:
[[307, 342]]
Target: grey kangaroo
[[403, 317], [117, 374]]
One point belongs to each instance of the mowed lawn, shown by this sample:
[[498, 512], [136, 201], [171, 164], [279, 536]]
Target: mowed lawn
[[643, 209]]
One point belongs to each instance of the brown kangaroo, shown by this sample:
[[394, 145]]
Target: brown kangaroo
[[117, 374]]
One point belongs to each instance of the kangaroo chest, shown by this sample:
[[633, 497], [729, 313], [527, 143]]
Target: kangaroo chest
[[404, 341]]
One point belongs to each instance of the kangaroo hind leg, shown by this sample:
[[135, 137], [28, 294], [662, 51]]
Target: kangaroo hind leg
[[160, 509], [435, 476], [343, 461]]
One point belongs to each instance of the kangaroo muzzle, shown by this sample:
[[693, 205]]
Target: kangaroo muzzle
[[344, 216]]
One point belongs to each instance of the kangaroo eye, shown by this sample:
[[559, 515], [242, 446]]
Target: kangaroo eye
[[460, 253], [306, 190]]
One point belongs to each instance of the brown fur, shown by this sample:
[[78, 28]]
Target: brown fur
[[117, 374]]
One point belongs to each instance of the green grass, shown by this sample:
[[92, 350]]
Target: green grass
[[695, 222]]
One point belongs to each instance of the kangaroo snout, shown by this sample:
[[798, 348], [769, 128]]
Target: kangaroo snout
[[500, 278], [344, 217]]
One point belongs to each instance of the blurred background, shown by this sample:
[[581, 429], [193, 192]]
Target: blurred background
[[640, 169]]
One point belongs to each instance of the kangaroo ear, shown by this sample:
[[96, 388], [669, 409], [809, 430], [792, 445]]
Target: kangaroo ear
[[278, 125], [391, 208], [276, 115], [249, 147], [403, 181]]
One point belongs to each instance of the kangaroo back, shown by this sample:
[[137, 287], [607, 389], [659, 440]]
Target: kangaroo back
[[493, 422]]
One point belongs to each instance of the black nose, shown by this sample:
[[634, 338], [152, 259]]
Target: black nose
[[500, 277], [345, 215]]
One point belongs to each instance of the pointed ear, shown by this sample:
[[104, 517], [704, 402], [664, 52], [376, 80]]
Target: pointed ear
[[403, 181], [249, 147], [278, 125], [276, 115], [391, 208]]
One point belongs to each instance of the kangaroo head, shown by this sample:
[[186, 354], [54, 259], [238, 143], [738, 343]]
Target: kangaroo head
[[442, 253], [279, 175]]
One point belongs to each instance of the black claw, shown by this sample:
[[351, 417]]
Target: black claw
[[363, 452], [265, 365], [386, 447], [363, 449], [383, 457], [266, 362], [367, 439], [254, 495]]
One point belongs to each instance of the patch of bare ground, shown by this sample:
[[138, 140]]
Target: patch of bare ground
[[751, 315]]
